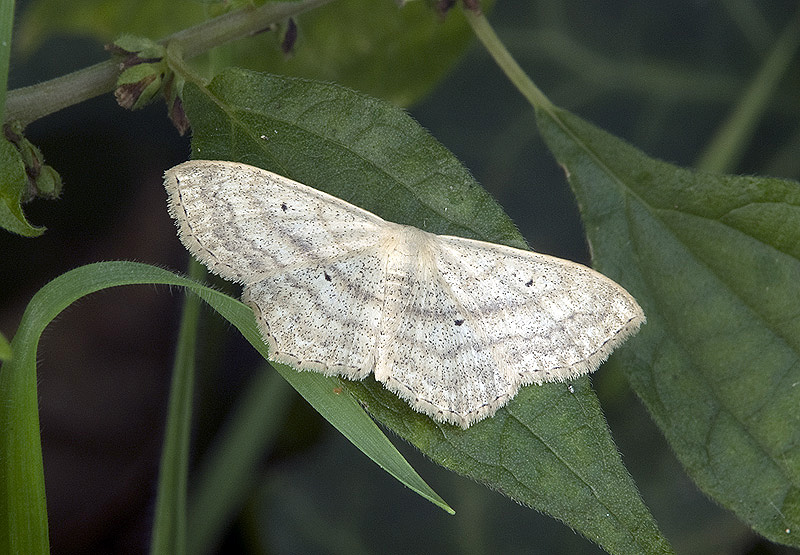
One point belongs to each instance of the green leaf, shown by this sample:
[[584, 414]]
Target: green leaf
[[715, 262], [13, 189], [549, 448], [23, 514], [394, 52]]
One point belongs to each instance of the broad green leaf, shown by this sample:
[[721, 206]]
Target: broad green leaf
[[394, 52], [23, 514], [550, 448], [714, 261]]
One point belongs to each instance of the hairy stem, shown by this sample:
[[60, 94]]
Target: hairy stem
[[28, 104]]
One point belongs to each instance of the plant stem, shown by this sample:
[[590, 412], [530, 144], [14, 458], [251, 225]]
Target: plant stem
[[169, 528], [28, 104], [503, 58], [6, 25]]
